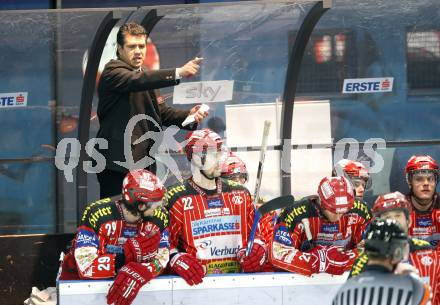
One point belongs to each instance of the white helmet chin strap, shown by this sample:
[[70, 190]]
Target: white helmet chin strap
[[200, 176], [203, 180], [203, 172]]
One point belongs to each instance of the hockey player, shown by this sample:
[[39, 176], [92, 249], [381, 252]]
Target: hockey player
[[422, 179], [126, 236], [319, 233], [234, 169], [356, 173], [359, 177], [423, 256], [210, 217], [386, 245]]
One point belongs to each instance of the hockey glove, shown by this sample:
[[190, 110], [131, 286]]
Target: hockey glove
[[188, 267], [254, 262], [129, 280], [140, 248], [339, 261], [332, 260]]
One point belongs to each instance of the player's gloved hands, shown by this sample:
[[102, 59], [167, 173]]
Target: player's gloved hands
[[317, 259], [332, 259], [254, 262], [140, 248], [339, 261], [131, 277], [188, 267]]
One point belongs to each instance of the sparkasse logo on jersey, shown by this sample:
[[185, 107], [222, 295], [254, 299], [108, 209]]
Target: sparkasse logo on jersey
[[13, 99], [368, 85], [215, 225]]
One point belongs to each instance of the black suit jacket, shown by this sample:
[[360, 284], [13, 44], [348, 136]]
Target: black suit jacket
[[123, 93]]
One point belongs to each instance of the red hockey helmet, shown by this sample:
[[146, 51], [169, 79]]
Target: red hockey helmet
[[234, 167], [420, 164], [390, 202], [352, 170], [336, 194], [142, 186], [200, 141]]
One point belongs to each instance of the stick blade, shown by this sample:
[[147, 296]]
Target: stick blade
[[276, 203]]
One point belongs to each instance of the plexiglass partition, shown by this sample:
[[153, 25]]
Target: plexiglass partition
[[246, 48], [384, 41], [42, 59]]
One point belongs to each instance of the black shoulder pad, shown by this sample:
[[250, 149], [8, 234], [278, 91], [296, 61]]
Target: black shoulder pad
[[362, 209], [312, 199], [304, 208], [98, 212], [359, 265], [160, 218], [419, 244], [174, 192], [231, 185]]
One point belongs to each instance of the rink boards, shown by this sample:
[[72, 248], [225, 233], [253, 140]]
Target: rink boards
[[255, 289]]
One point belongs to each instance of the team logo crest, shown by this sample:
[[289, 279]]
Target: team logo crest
[[237, 199], [426, 261]]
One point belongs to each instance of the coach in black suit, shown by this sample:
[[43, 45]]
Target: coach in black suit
[[126, 89]]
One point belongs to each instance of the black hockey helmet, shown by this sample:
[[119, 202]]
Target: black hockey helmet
[[386, 239]]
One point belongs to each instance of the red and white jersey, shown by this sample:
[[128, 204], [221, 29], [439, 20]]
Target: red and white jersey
[[97, 248], [427, 262], [426, 225], [210, 225], [290, 240], [423, 257], [267, 224]]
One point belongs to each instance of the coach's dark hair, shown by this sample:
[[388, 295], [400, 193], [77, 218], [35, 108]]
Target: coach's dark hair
[[131, 28]]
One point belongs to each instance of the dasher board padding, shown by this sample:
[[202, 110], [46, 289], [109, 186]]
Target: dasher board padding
[[255, 289]]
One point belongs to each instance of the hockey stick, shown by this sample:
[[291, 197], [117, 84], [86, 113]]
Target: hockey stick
[[258, 182], [271, 205], [308, 244], [261, 162]]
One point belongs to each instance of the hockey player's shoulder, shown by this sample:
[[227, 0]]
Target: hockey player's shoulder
[[305, 208], [101, 202], [160, 218], [419, 244], [361, 208], [174, 192], [231, 185], [359, 264], [98, 211]]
